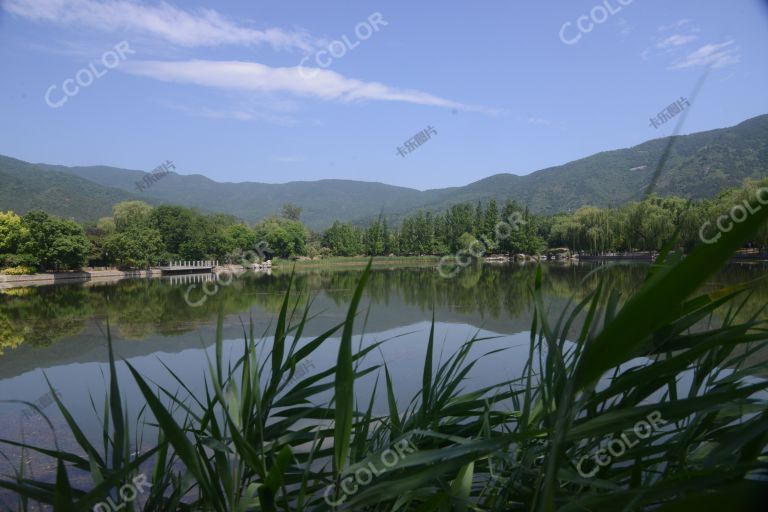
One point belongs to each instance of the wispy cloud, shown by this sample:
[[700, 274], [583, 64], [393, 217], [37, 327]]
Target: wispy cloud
[[625, 28], [201, 27], [237, 114], [675, 41], [675, 25], [677, 48], [715, 55], [322, 84]]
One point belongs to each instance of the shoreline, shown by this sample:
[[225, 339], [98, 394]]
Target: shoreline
[[74, 277], [102, 276]]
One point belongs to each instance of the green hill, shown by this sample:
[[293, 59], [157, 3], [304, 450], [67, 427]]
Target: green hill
[[27, 186], [699, 166]]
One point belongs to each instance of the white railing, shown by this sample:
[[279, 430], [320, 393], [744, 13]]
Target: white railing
[[193, 264]]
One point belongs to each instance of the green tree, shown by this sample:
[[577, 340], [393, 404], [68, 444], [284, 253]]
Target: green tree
[[423, 235], [291, 211], [239, 237], [175, 224], [374, 239], [285, 237], [53, 242], [491, 220], [459, 219], [130, 214], [343, 239], [106, 225], [137, 247], [386, 235], [12, 232]]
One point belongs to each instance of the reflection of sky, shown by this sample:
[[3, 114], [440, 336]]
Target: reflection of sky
[[404, 350]]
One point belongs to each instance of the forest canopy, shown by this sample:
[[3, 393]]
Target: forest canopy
[[138, 235]]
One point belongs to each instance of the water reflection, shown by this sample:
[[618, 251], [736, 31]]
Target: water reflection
[[61, 330], [154, 312]]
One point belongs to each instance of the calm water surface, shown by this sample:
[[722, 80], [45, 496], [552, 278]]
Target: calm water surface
[[59, 331]]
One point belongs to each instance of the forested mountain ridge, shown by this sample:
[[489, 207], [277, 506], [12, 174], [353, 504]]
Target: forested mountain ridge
[[28, 186], [700, 165]]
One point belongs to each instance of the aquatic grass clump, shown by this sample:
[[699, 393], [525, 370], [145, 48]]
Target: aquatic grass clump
[[563, 435]]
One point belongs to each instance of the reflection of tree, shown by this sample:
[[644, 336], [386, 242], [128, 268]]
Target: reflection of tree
[[10, 338], [44, 315], [138, 308], [742, 273]]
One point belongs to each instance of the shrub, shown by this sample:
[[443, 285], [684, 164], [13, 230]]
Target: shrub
[[20, 270]]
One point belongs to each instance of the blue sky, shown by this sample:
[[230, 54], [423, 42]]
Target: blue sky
[[249, 90]]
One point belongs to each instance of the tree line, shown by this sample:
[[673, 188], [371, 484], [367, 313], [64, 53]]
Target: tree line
[[140, 235]]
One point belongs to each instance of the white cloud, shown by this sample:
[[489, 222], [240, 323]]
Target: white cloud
[[203, 27], [671, 45], [677, 24], [308, 82], [675, 41], [715, 55]]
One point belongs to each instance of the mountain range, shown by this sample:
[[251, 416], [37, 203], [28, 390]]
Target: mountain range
[[699, 166]]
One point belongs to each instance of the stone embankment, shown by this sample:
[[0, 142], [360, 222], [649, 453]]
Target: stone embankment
[[74, 277]]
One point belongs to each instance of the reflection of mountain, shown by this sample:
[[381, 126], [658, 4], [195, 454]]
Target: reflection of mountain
[[52, 325]]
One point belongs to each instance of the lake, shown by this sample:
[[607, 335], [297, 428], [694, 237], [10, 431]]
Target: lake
[[60, 331]]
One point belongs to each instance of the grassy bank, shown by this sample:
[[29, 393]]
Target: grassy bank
[[655, 405]]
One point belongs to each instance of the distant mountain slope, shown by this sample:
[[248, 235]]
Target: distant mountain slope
[[700, 165], [26, 187], [322, 201]]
